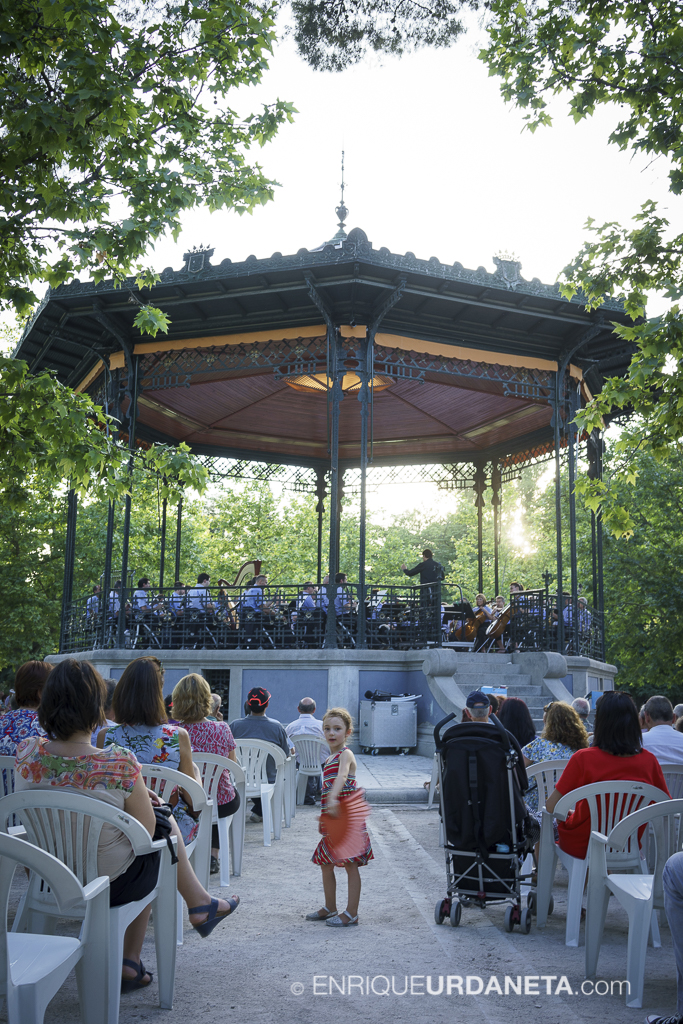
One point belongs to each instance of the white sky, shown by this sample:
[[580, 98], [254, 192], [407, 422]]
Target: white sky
[[436, 164]]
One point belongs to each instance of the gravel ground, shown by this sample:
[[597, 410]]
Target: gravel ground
[[262, 963]]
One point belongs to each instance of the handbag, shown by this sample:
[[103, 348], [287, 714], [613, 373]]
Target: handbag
[[163, 830]]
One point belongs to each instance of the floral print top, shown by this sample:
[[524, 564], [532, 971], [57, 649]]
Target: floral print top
[[107, 775], [15, 726], [157, 744], [542, 750], [214, 738]]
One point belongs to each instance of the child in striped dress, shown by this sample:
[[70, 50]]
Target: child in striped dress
[[339, 782]]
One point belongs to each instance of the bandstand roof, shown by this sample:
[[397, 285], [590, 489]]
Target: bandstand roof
[[469, 355]]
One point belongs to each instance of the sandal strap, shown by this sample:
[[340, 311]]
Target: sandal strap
[[203, 910]]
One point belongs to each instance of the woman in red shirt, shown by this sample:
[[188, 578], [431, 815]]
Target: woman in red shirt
[[616, 753]]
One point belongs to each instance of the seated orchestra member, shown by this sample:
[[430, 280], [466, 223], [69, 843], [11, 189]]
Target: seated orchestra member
[[199, 597], [584, 617], [343, 603], [92, 605], [252, 602], [115, 602], [492, 615], [321, 599], [176, 601]]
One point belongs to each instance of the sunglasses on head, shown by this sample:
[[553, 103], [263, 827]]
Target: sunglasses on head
[[548, 706]]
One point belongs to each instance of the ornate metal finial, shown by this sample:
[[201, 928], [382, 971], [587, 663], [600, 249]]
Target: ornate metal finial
[[341, 210], [198, 258], [508, 267]]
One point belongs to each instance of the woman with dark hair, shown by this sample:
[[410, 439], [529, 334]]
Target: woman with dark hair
[[16, 725], [514, 715], [143, 727], [72, 706], [616, 754]]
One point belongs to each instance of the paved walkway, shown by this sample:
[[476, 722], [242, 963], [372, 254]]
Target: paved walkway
[[394, 778], [268, 963]]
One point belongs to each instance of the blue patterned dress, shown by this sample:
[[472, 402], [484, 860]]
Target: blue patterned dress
[[16, 726], [157, 744]]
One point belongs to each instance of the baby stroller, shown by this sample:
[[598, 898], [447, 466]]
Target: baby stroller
[[485, 823]]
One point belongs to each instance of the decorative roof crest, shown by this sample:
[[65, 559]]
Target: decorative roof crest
[[508, 267], [198, 259]]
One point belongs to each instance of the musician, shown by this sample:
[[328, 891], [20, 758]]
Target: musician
[[307, 600], [115, 601], [140, 601], [584, 616], [253, 597], [322, 600], [430, 573], [342, 602], [199, 597], [494, 614], [485, 616], [176, 601], [92, 605]]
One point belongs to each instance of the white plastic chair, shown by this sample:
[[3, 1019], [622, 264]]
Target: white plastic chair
[[546, 774], [639, 895], [34, 967], [308, 754], [673, 776], [253, 757], [230, 829], [163, 781], [608, 802], [68, 825]]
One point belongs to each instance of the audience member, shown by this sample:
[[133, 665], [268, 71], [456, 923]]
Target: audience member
[[16, 725], [72, 706], [308, 725], [662, 739], [678, 711], [191, 704], [563, 734], [641, 719], [515, 716], [257, 726], [143, 727], [617, 753], [672, 881], [216, 714], [583, 709]]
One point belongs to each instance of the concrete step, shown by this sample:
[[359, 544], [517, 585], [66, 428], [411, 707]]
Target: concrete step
[[487, 666]]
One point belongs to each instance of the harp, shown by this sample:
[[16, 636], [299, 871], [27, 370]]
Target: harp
[[246, 571]]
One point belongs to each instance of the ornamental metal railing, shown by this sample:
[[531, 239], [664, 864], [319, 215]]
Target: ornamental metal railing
[[253, 618], [391, 617]]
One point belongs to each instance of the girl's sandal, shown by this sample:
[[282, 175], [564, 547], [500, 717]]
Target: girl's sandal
[[338, 922], [315, 916], [214, 918]]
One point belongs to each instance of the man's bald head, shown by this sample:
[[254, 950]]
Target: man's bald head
[[306, 706]]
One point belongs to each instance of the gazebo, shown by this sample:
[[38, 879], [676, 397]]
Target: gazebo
[[343, 357]]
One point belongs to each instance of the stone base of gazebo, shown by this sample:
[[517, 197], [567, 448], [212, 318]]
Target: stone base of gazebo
[[340, 678]]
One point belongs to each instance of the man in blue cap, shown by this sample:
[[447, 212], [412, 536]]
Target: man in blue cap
[[478, 709]]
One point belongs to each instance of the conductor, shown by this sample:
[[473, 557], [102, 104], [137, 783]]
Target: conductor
[[430, 573]]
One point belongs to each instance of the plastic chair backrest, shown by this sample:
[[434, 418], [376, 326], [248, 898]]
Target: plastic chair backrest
[[308, 751], [673, 776], [546, 774], [163, 781], [253, 756], [609, 802], [662, 817], [212, 766], [7, 762], [68, 825]]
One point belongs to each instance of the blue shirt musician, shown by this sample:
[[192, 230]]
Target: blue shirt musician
[[307, 601], [199, 597], [92, 605], [321, 598], [253, 598], [343, 604], [176, 601], [584, 617]]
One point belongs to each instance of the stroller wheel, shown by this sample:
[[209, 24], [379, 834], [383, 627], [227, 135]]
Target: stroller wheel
[[439, 915], [531, 902], [525, 921], [509, 918], [551, 905], [456, 913]]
